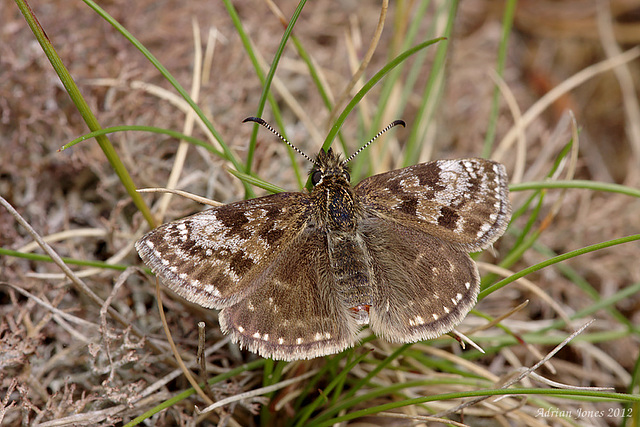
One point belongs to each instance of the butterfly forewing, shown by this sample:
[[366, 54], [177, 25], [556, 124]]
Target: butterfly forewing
[[460, 201], [213, 258], [294, 311]]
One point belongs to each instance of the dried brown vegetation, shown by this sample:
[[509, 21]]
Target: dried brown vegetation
[[64, 357]]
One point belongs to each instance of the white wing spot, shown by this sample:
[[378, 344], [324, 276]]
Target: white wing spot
[[435, 316], [208, 252], [280, 340], [419, 320], [212, 290], [327, 335], [265, 337], [483, 229], [458, 296], [164, 261], [453, 300], [240, 329], [460, 223], [257, 335], [410, 181], [149, 243], [446, 310], [173, 269], [299, 341], [250, 306], [182, 276], [467, 285], [318, 336]]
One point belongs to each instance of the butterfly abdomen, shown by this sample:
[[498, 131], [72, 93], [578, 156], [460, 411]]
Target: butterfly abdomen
[[351, 270]]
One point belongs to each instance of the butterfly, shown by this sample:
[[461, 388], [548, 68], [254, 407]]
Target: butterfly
[[296, 275]]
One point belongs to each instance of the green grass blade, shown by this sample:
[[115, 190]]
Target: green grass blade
[[250, 179], [190, 392], [555, 260], [84, 109], [431, 94], [69, 261], [308, 410], [557, 393], [266, 82], [152, 129], [228, 154], [576, 183], [369, 85], [507, 25]]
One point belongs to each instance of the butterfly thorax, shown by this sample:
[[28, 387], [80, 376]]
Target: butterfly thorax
[[338, 213], [335, 203]]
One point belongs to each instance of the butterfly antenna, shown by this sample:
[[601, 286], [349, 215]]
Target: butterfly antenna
[[262, 122], [392, 125]]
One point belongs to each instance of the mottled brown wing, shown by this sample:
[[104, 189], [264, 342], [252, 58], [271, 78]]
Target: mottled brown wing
[[462, 201], [295, 312], [215, 257], [422, 287]]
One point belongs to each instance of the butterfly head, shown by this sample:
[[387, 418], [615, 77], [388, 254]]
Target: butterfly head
[[329, 167]]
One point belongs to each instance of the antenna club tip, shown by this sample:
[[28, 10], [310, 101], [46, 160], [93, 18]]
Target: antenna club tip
[[399, 123], [254, 119]]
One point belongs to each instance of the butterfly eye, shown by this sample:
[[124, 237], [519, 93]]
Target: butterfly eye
[[316, 177], [347, 175]]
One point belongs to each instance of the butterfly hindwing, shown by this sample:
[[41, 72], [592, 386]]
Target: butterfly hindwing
[[294, 311], [422, 286], [213, 257]]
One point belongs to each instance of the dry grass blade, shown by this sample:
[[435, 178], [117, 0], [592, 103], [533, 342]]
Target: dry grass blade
[[174, 349], [416, 418], [64, 235], [373, 44], [79, 284], [87, 418], [48, 306], [566, 86], [183, 147], [530, 286], [184, 194], [257, 392], [623, 74], [499, 154], [523, 374], [69, 353]]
